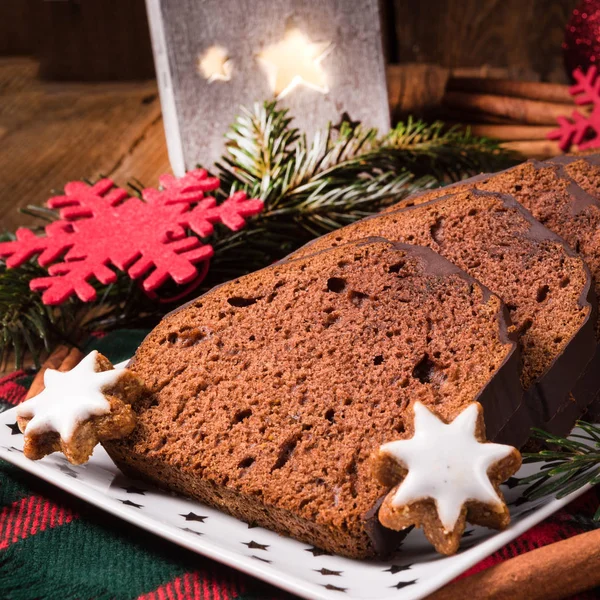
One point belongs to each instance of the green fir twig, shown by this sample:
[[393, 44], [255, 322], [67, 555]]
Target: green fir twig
[[569, 464], [343, 175], [308, 188]]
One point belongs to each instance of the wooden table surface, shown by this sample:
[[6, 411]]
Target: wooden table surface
[[52, 133]]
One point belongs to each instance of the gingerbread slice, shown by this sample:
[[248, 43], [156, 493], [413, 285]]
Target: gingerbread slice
[[546, 285]]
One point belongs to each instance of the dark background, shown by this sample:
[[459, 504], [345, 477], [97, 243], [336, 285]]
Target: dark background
[[108, 39], [78, 97]]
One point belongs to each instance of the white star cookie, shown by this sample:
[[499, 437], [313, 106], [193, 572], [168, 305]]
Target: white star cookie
[[445, 475], [79, 408]]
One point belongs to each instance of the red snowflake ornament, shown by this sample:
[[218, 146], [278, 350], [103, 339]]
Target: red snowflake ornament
[[581, 130], [101, 225]]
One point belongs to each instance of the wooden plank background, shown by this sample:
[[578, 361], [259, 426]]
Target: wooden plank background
[[523, 36], [100, 39], [54, 132]]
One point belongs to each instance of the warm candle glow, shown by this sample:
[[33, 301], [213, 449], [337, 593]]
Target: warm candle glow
[[215, 65], [293, 61]]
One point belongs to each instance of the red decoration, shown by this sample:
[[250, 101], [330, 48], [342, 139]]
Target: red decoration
[[582, 130], [582, 37], [101, 225]]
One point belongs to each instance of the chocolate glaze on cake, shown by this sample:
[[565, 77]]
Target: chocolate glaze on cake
[[269, 393], [563, 195], [546, 285]]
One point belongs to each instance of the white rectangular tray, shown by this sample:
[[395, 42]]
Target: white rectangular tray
[[413, 572]]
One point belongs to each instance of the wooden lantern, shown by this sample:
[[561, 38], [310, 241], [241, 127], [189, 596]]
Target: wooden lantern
[[320, 59]]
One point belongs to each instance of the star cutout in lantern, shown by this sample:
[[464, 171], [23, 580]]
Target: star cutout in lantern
[[215, 65], [293, 61]]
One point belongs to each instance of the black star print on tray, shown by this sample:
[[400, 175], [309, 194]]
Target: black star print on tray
[[188, 530], [325, 571], [512, 482], [194, 517], [14, 428], [528, 511], [132, 489], [403, 584], [261, 559], [68, 471], [397, 569], [519, 501], [130, 503], [334, 588], [255, 545], [318, 552]]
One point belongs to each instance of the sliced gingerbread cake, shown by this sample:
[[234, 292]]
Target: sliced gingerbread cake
[[546, 285], [269, 393], [563, 194]]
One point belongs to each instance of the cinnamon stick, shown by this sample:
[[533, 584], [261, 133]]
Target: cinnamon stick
[[540, 149], [553, 572], [520, 110], [533, 90], [510, 133], [63, 358]]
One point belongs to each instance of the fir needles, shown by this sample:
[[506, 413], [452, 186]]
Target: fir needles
[[309, 188], [569, 463]]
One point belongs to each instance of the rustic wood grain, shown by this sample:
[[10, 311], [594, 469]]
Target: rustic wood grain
[[406, 96], [522, 35], [93, 40], [55, 133], [17, 26]]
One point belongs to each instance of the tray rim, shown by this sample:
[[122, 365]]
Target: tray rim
[[268, 573]]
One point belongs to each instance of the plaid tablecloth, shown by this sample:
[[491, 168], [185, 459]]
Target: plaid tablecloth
[[55, 547]]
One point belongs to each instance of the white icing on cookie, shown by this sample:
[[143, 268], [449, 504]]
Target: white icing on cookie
[[446, 463], [69, 398]]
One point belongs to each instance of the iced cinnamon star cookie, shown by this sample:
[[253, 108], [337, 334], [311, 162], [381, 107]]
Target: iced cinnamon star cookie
[[79, 408], [445, 475]]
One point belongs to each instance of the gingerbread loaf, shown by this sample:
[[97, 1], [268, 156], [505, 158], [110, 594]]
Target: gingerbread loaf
[[268, 394], [563, 194], [546, 285]]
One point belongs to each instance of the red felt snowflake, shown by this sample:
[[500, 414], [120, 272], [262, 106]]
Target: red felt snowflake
[[101, 225], [581, 130]]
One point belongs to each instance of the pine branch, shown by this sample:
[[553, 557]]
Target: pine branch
[[29, 327], [26, 324], [448, 154], [342, 176], [308, 189], [570, 463]]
